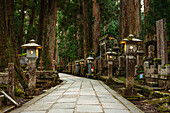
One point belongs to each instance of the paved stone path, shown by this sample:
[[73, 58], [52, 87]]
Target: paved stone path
[[78, 95]]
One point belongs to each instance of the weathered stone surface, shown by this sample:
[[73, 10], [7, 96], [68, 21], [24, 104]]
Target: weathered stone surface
[[3, 78], [61, 111], [162, 41], [62, 99], [113, 105], [63, 105], [89, 108], [151, 51], [116, 111], [32, 74], [121, 61], [159, 69], [163, 71], [146, 67], [167, 70]]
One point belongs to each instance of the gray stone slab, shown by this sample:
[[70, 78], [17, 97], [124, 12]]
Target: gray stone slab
[[87, 97], [107, 100], [89, 108], [61, 111], [89, 102], [33, 112], [103, 93], [73, 89], [69, 96], [49, 99], [71, 93], [113, 106], [68, 100], [115, 111], [63, 106], [38, 107], [106, 96]]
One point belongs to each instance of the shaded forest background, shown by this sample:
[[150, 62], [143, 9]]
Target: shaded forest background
[[70, 29]]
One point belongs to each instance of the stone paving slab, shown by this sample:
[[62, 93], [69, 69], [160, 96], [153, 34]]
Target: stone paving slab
[[115, 111], [113, 106], [63, 105], [88, 102], [61, 111], [78, 95], [33, 112], [67, 100], [89, 108]]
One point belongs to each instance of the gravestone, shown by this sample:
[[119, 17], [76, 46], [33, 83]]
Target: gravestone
[[121, 61], [151, 51], [162, 41], [146, 67]]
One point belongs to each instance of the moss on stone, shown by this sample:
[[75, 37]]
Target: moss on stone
[[19, 92], [157, 59], [164, 108]]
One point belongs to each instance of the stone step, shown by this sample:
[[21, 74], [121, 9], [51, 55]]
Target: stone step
[[152, 84]]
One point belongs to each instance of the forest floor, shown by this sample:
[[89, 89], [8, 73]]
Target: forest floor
[[141, 103]]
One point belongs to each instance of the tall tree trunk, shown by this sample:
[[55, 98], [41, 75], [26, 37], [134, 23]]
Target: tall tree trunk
[[130, 18], [31, 21], [86, 39], [96, 27], [49, 33], [79, 34], [21, 27], [7, 35], [41, 22]]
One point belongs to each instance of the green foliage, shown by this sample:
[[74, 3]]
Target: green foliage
[[109, 11], [158, 9], [19, 92]]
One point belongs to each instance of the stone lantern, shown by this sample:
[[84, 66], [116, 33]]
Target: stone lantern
[[31, 50], [110, 57], [32, 55], [139, 65], [89, 61], [130, 49], [77, 66], [82, 66]]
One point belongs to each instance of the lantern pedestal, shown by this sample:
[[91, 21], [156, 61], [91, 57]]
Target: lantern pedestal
[[130, 69], [89, 70], [110, 70], [32, 74]]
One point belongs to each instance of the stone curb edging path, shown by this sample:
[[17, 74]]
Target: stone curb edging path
[[79, 95]]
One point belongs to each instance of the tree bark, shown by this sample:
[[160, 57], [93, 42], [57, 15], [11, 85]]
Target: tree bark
[[49, 33], [41, 22], [96, 27], [86, 39], [130, 18], [31, 22], [21, 28], [8, 38]]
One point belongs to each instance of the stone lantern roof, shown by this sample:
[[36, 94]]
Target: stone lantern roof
[[31, 44]]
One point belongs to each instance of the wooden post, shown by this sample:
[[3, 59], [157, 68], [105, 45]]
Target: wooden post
[[11, 80]]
